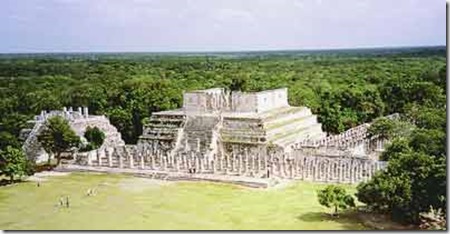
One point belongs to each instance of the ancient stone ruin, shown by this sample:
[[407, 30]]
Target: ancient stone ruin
[[218, 122], [79, 120], [218, 133]]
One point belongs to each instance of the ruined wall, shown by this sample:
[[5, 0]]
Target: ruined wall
[[244, 102], [78, 120], [354, 142], [251, 164], [271, 99], [260, 101], [205, 100]]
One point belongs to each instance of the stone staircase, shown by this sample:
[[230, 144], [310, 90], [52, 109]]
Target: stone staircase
[[164, 128], [283, 127], [31, 146], [292, 125], [198, 132]]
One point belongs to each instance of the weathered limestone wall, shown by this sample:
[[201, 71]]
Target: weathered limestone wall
[[198, 131], [260, 101], [244, 102], [205, 100], [271, 99], [251, 164]]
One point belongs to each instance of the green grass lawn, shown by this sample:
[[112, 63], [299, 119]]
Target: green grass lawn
[[125, 203]]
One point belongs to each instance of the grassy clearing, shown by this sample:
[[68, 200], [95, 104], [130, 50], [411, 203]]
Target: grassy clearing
[[125, 203]]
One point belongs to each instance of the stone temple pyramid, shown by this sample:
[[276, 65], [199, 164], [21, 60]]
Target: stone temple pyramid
[[215, 118]]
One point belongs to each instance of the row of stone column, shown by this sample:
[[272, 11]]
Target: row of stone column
[[255, 165]]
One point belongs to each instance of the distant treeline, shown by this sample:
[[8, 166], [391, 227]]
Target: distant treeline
[[292, 54]]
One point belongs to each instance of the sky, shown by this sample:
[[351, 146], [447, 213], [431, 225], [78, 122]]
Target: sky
[[217, 25]]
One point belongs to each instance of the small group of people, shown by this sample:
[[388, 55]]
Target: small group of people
[[192, 170], [65, 201], [91, 192]]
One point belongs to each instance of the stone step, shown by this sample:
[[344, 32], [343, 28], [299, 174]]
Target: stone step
[[162, 126], [280, 112], [287, 117], [292, 126], [242, 132], [298, 134]]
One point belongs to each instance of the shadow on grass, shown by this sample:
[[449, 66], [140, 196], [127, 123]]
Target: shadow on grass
[[5, 182], [357, 219], [348, 219]]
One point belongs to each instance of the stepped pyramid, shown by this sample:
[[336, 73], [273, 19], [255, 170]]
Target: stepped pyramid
[[214, 117]]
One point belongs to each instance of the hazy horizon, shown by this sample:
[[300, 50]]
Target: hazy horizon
[[229, 51], [199, 26]]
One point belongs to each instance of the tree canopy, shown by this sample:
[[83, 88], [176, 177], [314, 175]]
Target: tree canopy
[[58, 137], [13, 163]]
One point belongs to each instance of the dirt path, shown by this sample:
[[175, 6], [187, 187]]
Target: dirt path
[[42, 176]]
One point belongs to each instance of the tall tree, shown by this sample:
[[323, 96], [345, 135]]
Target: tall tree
[[58, 137], [335, 197], [13, 163]]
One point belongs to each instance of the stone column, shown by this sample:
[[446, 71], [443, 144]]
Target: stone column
[[272, 165], [218, 163], [177, 162], [207, 165], [109, 152], [291, 174], [316, 169], [246, 162], [200, 163], [142, 160], [258, 163], [301, 167], [99, 158], [352, 172], [232, 163], [264, 162], [361, 171], [239, 164], [88, 158], [213, 166], [120, 159], [151, 160], [163, 163], [131, 161]]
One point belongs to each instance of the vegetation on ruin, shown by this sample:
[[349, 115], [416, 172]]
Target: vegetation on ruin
[[58, 137], [415, 179], [95, 138]]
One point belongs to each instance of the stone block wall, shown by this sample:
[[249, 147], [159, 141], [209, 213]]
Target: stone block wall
[[271, 99]]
